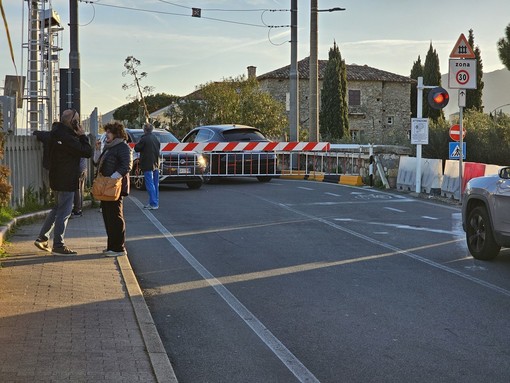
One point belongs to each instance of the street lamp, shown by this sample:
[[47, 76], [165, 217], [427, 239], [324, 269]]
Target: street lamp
[[314, 72]]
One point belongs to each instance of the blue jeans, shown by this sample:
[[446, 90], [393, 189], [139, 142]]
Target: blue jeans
[[152, 185], [57, 218]]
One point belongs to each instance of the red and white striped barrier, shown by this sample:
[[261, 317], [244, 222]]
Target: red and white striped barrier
[[245, 147]]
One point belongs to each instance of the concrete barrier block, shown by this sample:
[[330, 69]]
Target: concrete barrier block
[[351, 180]]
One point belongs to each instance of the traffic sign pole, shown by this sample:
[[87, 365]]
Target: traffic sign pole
[[461, 139], [462, 75]]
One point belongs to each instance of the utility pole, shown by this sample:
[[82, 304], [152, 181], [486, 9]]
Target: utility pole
[[74, 56], [293, 76], [313, 80]]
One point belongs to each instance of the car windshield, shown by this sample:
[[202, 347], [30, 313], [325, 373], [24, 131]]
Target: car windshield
[[164, 136], [243, 135]]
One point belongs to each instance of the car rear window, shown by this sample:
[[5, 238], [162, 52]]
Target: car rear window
[[243, 135], [164, 137]]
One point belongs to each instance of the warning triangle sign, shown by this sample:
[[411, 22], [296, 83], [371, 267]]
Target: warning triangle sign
[[462, 49]]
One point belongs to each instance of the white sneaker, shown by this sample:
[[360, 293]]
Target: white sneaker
[[152, 207]]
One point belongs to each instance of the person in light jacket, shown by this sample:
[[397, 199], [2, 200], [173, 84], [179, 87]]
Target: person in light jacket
[[115, 160]]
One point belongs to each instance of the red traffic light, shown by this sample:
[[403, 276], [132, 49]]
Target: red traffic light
[[438, 98]]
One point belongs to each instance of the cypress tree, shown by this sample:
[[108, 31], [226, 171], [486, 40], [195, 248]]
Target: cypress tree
[[416, 71], [474, 96], [333, 117], [431, 76]]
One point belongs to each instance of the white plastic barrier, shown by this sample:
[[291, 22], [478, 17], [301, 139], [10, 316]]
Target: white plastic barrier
[[451, 186], [406, 177], [492, 169], [432, 175]]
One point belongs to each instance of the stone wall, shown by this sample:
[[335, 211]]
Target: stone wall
[[380, 101]]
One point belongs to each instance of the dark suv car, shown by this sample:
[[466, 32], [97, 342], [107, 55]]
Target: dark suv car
[[486, 214], [175, 167]]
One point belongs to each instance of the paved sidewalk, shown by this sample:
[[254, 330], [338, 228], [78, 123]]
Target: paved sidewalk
[[75, 319]]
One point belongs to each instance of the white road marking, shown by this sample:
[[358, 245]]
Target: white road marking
[[401, 226], [278, 348], [409, 254], [427, 217], [304, 188], [393, 209], [333, 194]]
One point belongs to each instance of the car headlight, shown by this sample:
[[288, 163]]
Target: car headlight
[[201, 161]]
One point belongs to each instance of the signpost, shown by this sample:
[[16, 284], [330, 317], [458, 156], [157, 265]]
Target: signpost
[[455, 133], [462, 76]]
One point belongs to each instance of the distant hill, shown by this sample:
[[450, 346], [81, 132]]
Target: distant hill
[[496, 92]]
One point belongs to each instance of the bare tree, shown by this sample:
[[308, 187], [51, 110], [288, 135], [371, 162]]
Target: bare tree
[[131, 64]]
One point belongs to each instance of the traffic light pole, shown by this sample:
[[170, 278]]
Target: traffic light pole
[[419, 114]]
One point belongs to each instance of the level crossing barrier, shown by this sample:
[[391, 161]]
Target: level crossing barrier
[[260, 159]]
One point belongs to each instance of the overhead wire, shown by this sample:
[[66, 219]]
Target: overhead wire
[[189, 15]]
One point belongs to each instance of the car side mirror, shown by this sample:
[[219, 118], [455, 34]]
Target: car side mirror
[[504, 173]]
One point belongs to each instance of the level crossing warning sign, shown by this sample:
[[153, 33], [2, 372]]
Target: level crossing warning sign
[[462, 49]]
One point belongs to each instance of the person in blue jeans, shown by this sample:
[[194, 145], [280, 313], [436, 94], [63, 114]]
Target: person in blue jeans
[[148, 147], [68, 143]]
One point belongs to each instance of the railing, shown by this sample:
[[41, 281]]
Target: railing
[[23, 156]]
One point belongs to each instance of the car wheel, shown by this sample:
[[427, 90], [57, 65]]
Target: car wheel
[[264, 178], [138, 179], [479, 235], [194, 184]]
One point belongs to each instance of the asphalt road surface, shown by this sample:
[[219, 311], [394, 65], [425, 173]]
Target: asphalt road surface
[[294, 281]]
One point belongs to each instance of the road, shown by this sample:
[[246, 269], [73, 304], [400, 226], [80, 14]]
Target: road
[[294, 281]]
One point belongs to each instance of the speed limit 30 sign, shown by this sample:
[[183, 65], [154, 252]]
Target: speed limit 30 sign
[[462, 74]]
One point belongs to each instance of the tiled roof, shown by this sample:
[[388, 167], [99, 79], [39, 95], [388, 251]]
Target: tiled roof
[[354, 73]]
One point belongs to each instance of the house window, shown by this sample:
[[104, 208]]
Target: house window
[[389, 120], [354, 97], [357, 135]]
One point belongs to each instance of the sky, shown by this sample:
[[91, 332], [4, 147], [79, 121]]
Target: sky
[[180, 52]]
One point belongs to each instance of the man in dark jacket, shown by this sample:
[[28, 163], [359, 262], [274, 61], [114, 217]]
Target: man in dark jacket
[[148, 147], [68, 143]]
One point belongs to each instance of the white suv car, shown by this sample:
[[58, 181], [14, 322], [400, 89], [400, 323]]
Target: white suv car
[[486, 214]]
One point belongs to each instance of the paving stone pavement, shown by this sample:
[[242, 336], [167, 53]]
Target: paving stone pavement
[[74, 319]]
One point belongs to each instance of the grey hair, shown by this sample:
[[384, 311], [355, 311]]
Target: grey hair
[[148, 127]]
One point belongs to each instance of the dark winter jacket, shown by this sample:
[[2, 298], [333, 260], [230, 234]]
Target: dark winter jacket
[[117, 159], [148, 147], [66, 148], [44, 136]]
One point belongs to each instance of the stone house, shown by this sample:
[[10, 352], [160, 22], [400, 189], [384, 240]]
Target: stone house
[[379, 101]]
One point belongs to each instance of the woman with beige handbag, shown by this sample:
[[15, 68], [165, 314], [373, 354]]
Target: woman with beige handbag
[[115, 161]]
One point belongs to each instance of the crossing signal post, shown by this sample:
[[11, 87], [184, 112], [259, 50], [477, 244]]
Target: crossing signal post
[[462, 76], [438, 98]]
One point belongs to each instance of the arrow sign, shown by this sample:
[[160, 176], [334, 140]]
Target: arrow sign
[[455, 133], [462, 98]]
